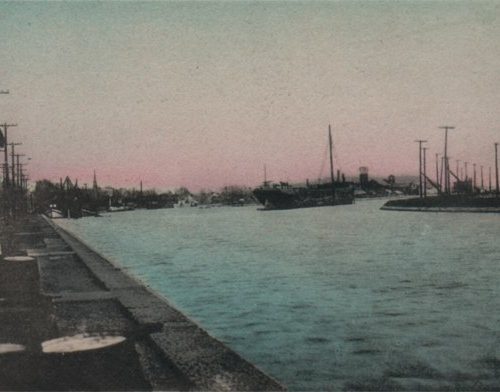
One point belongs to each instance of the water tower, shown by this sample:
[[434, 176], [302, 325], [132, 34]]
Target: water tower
[[363, 176]]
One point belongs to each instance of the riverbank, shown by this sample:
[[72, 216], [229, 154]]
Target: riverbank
[[61, 288], [452, 203]]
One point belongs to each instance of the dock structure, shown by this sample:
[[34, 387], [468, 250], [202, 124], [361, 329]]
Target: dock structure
[[72, 320], [468, 194]]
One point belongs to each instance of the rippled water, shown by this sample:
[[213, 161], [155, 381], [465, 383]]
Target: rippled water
[[345, 297]]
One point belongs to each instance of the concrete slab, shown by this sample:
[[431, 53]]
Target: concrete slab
[[85, 296], [105, 317], [65, 275], [209, 364], [164, 377], [146, 308]]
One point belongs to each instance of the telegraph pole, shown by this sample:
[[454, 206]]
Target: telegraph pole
[[331, 160], [25, 181], [437, 171], [446, 159], [490, 178], [482, 179], [6, 153], [466, 174], [23, 177], [12, 145], [18, 173], [420, 165], [496, 167], [441, 173], [425, 172], [474, 179], [19, 169]]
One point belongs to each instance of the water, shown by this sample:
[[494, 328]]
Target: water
[[345, 297]]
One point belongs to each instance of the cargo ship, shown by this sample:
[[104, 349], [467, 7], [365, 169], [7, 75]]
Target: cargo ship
[[284, 196]]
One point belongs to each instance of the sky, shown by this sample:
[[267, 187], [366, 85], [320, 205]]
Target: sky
[[204, 94]]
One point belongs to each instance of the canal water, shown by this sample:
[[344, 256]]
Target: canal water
[[330, 298]]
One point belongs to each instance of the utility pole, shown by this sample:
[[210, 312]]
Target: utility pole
[[457, 172], [437, 171], [489, 178], [19, 181], [482, 179], [21, 176], [474, 180], [12, 145], [441, 173], [6, 153], [466, 174], [425, 172], [331, 160], [420, 165], [496, 167], [446, 159]]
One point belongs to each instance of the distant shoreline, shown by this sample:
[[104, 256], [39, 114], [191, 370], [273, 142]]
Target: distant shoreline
[[453, 203]]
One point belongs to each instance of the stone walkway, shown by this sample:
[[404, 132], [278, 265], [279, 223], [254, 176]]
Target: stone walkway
[[62, 289]]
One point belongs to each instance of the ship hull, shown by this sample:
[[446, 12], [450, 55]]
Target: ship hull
[[289, 198]]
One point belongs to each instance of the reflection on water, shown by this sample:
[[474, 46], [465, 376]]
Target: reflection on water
[[345, 297]]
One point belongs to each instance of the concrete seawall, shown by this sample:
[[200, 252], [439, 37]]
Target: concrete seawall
[[90, 295]]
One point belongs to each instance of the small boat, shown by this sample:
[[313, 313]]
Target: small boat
[[54, 213], [284, 196], [119, 208]]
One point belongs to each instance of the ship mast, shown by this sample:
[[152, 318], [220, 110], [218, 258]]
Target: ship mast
[[331, 159]]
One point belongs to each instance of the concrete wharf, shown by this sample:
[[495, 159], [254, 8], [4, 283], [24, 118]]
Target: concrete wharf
[[53, 286]]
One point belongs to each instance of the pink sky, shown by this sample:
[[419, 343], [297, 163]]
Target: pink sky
[[203, 94]]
